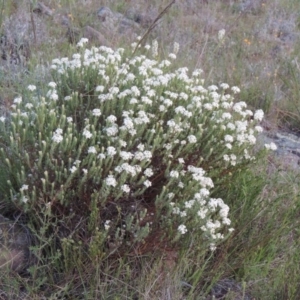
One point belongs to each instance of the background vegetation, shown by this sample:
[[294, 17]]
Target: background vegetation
[[259, 54]]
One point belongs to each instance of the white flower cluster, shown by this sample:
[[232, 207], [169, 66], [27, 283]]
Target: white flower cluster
[[52, 93], [57, 136], [212, 213], [272, 146], [144, 117]]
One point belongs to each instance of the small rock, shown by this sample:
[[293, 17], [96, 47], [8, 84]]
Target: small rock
[[251, 6], [95, 36], [288, 148], [15, 240], [114, 23], [229, 289], [145, 20], [105, 14], [43, 9]]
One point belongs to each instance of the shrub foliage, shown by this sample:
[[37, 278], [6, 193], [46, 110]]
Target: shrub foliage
[[120, 154]]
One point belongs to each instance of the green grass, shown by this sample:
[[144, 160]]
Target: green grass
[[263, 251]]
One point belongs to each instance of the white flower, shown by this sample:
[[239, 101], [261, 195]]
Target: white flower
[[82, 42], [192, 139], [189, 204], [148, 172], [24, 199], [146, 100], [73, 169], [172, 56], [181, 160], [67, 98], [111, 151], [226, 115], [154, 48], [53, 96], [86, 133], [231, 126], [125, 188], [251, 139], [133, 101], [122, 143], [2, 119], [92, 149], [31, 87], [77, 162], [18, 100], [58, 131], [175, 210], [29, 105], [259, 115], [226, 221], [52, 84], [135, 91], [99, 88], [258, 128], [85, 171], [168, 102], [212, 88], [235, 89], [110, 180], [238, 107], [226, 157], [176, 48], [111, 119], [183, 214], [174, 174], [221, 35], [126, 155], [141, 147], [228, 138], [24, 187], [114, 90], [224, 86], [271, 146], [180, 184], [96, 112], [212, 247], [106, 224], [170, 196], [182, 229], [69, 119], [128, 123], [202, 213], [57, 136], [208, 106], [101, 156], [147, 183], [112, 131]]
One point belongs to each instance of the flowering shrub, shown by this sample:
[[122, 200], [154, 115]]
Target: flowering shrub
[[128, 148]]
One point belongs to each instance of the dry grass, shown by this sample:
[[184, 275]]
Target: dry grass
[[259, 54]]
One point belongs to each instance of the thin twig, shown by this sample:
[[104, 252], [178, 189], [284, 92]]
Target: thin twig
[[154, 23], [33, 23], [1, 14]]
